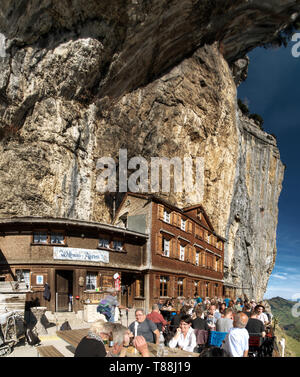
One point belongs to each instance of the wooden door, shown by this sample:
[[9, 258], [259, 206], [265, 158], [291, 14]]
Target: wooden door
[[64, 283]]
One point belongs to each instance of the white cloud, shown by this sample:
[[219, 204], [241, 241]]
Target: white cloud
[[277, 276]]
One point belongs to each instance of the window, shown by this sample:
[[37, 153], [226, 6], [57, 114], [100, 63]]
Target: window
[[139, 288], [166, 247], [23, 276], [197, 258], [163, 286], [196, 285], [167, 216], [91, 280], [57, 238], [103, 242], [118, 245], [183, 223], [182, 250], [180, 287], [40, 237]]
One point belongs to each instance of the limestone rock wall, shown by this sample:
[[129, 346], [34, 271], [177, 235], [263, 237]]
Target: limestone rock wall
[[80, 80]]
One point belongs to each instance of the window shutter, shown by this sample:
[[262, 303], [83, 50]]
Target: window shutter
[[185, 287], [171, 247], [159, 244], [194, 255], [172, 287], [174, 218], [176, 249], [178, 220], [160, 211], [187, 253], [189, 226], [157, 285]]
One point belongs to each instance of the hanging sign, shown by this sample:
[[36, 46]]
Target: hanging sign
[[86, 255]]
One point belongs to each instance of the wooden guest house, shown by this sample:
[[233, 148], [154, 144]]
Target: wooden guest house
[[78, 260], [184, 255]]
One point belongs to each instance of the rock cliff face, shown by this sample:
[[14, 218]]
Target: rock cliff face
[[79, 80]]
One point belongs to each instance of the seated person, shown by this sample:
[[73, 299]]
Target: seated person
[[212, 316], [226, 323], [185, 337], [175, 320], [121, 340], [157, 318], [199, 322], [92, 345], [167, 305], [145, 327]]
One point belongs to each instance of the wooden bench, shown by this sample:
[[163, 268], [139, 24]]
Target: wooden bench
[[48, 351]]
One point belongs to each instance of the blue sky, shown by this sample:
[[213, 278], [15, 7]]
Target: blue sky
[[272, 90]]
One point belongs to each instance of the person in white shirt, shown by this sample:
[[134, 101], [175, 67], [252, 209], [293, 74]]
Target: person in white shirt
[[262, 316], [236, 343], [185, 337]]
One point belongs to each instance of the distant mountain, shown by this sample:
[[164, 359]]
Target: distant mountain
[[282, 310]]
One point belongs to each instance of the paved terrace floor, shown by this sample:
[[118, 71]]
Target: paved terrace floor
[[25, 350]]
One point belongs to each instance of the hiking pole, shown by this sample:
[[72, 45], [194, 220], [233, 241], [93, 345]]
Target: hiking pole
[[127, 316]]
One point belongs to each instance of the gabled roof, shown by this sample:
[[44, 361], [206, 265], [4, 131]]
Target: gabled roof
[[153, 197], [202, 210]]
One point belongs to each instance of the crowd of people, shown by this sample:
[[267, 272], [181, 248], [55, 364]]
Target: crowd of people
[[182, 323]]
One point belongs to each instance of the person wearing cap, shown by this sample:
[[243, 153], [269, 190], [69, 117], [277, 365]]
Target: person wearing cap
[[261, 315], [113, 303]]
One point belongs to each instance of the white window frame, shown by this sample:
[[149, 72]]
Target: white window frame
[[197, 258], [167, 216], [57, 236], [183, 224], [25, 276], [182, 253], [106, 246], [118, 245], [91, 279], [38, 237], [166, 245]]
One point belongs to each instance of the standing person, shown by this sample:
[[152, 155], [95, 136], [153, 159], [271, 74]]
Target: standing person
[[108, 305], [262, 315], [144, 327], [227, 300], [255, 326], [247, 309], [185, 337], [222, 307], [226, 323], [157, 318], [236, 343]]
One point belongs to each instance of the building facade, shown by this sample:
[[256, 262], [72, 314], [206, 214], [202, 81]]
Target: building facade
[[78, 260], [184, 255]]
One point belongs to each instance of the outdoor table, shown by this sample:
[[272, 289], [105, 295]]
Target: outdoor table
[[167, 313], [38, 312], [73, 337]]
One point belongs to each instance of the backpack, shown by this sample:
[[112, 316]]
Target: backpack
[[65, 326], [31, 338], [104, 308]]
